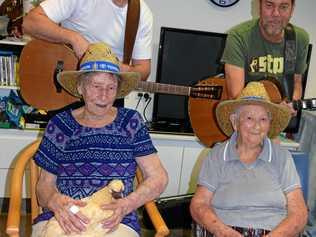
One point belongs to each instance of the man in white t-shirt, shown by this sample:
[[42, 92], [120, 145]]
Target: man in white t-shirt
[[80, 22]]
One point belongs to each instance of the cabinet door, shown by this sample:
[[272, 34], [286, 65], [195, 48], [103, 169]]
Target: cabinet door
[[170, 154], [192, 159], [12, 141]]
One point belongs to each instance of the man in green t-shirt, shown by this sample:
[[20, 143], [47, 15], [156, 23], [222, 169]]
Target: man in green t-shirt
[[255, 49]]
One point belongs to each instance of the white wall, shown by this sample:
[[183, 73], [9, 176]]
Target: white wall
[[203, 15]]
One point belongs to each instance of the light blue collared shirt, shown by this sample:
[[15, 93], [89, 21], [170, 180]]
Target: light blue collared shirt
[[249, 195]]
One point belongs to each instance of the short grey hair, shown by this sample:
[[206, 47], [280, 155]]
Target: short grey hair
[[238, 111]]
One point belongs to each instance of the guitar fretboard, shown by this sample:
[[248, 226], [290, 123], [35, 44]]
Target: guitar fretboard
[[154, 87]]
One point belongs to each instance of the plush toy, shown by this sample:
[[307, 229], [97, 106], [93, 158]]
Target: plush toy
[[92, 210]]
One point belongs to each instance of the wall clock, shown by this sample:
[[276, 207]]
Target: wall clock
[[224, 3]]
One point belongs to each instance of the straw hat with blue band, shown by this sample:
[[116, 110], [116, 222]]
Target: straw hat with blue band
[[253, 94], [99, 58]]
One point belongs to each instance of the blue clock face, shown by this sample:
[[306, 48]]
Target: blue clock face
[[224, 3]]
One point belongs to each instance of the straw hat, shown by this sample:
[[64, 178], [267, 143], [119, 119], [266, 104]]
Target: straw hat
[[253, 94], [99, 58]]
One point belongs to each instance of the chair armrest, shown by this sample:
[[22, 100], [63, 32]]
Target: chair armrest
[[153, 212], [14, 214], [156, 219]]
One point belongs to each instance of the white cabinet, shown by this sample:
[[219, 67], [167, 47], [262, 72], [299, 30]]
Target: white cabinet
[[170, 160], [177, 153], [181, 156], [12, 141], [192, 158]]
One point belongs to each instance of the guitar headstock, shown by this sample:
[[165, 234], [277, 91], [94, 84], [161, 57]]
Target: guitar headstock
[[206, 92]]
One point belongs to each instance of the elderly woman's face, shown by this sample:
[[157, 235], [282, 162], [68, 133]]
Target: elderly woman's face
[[98, 91], [252, 124]]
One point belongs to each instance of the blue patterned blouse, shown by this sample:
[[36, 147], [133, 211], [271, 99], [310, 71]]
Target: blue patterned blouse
[[85, 159]]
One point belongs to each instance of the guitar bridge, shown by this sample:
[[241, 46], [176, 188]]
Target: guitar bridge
[[207, 92]]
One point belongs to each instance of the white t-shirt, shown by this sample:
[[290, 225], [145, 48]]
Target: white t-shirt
[[103, 21]]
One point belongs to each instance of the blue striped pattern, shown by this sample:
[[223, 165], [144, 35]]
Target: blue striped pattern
[[85, 159]]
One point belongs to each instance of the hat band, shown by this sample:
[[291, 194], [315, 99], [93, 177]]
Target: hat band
[[252, 98], [100, 66]]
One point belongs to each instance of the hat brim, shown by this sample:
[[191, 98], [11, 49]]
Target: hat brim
[[279, 113], [69, 80]]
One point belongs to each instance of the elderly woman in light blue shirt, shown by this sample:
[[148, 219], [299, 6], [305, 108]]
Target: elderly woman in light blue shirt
[[248, 185]]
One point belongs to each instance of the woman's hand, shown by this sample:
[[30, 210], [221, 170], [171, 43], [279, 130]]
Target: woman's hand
[[120, 209], [70, 222]]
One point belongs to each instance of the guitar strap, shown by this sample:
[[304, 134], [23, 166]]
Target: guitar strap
[[288, 75], [131, 26], [132, 21], [289, 61]]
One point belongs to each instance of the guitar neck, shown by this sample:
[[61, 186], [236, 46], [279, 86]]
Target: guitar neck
[[154, 87]]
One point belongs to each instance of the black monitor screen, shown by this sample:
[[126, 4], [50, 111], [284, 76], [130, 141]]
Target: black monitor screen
[[184, 58]]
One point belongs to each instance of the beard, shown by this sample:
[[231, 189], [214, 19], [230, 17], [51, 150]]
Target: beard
[[273, 27]]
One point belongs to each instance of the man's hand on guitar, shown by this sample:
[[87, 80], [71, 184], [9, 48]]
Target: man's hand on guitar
[[79, 45], [125, 67], [289, 105]]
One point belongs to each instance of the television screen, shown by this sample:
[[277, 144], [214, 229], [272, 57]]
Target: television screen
[[184, 58]]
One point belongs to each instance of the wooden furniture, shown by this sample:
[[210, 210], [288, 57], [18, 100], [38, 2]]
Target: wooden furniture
[[24, 158]]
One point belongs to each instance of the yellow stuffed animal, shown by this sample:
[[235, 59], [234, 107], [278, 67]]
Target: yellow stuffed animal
[[92, 210]]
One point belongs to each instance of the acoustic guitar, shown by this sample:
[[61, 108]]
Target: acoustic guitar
[[40, 61]]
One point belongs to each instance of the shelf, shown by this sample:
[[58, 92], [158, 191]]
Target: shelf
[[13, 41], [10, 87]]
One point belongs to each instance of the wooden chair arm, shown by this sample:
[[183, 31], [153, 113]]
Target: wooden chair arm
[[14, 214], [153, 213]]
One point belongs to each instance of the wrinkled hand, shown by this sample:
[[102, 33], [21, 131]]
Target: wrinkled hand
[[119, 208], [227, 232], [68, 221]]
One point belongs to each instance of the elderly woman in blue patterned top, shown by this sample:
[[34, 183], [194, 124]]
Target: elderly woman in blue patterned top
[[248, 185], [83, 149]]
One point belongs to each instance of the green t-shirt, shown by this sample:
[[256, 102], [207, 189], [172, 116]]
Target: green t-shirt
[[246, 48]]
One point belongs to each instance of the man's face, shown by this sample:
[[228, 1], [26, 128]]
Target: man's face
[[274, 16]]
